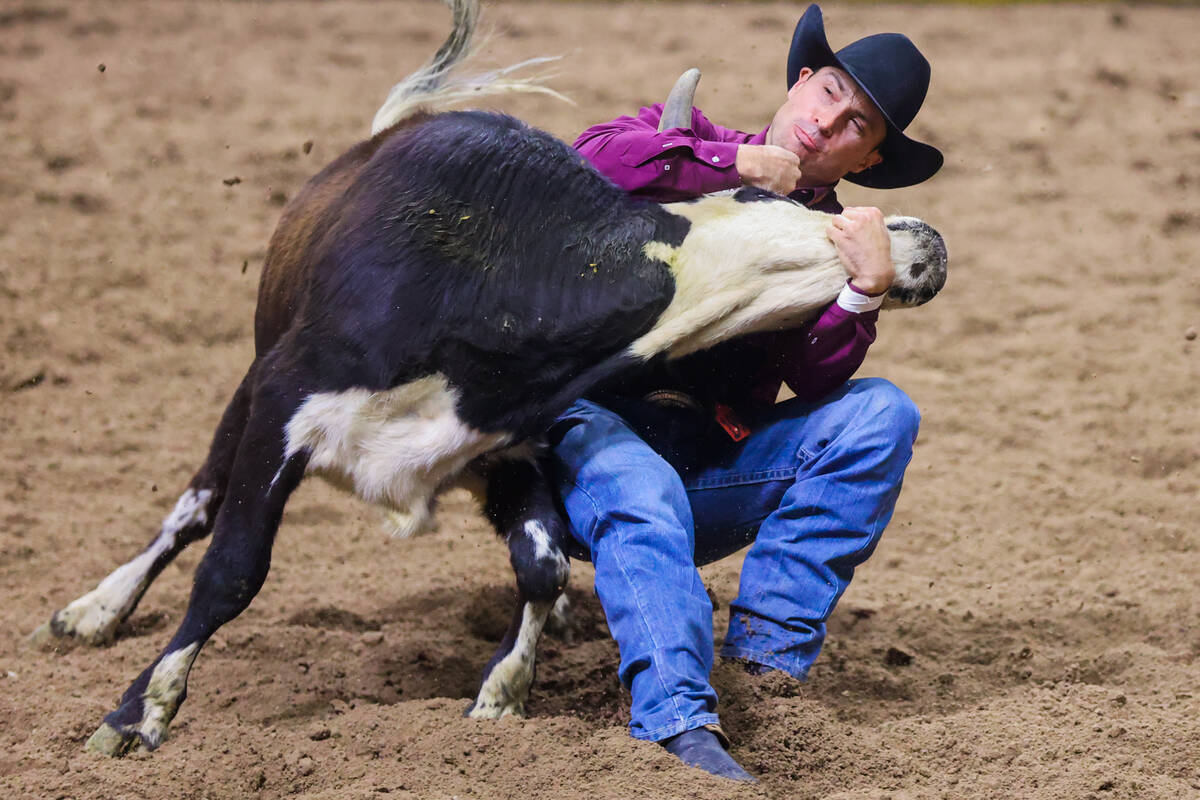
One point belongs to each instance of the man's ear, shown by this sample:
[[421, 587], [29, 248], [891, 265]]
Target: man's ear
[[801, 79], [869, 160]]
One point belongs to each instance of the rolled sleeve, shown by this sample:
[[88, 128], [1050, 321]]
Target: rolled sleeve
[[676, 164]]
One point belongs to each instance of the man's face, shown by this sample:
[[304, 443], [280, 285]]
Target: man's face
[[830, 124]]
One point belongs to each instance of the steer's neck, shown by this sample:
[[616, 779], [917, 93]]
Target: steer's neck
[[742, 267]]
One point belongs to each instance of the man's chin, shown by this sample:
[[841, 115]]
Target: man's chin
[[814, 176]]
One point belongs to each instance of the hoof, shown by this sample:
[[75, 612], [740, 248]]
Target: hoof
[[52, 635], [478, 710], [76, 625], [560, 623], [42, 636], [108, 741]]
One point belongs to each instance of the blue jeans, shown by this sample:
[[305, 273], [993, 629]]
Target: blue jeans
[[811, 490]]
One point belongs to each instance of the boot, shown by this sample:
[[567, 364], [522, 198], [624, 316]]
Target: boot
[[701, 748]]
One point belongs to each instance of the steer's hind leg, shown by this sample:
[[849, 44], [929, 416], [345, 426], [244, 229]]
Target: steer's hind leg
[[227, 579], [521, 505], [94, 617]]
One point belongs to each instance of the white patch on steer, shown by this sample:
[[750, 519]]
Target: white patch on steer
[[506, 687], [94, 617], [396, 448], [161, 699], [742, 267], [536, 531], [543, 547], [190, 508]]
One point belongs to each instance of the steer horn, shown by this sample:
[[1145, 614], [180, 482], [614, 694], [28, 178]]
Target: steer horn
[[677, 113]]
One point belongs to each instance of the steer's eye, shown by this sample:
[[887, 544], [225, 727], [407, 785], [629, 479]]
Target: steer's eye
[[918, 268]]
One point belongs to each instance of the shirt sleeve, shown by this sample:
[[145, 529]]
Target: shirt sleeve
[[817, 358], [676, 164]]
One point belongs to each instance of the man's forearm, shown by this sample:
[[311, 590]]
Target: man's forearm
[[672, 165]]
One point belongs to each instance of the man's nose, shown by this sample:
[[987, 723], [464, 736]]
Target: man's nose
[[825, 123], [829, 120]]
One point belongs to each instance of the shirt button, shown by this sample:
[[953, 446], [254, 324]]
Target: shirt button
[[666, 167], [716, 159]]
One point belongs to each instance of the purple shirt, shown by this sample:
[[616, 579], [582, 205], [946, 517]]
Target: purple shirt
[[684, 163]]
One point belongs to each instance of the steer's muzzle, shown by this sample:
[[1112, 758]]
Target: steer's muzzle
[[921, 271]]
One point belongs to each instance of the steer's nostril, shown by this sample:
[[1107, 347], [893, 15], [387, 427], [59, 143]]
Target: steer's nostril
[[938, 278]]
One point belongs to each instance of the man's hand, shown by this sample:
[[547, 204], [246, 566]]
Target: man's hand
[[864, 247], [768, 167]]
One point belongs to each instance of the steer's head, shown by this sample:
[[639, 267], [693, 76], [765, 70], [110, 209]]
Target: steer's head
[[919, 255]]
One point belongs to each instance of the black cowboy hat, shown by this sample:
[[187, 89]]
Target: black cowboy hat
[[894, 74]]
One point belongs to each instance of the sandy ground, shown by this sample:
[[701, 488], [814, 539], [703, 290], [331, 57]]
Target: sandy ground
[[1028, 626]]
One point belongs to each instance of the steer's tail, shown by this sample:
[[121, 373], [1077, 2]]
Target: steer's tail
[[432, 86]]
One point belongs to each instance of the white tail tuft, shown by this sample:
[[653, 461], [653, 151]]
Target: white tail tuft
[[431, 87]]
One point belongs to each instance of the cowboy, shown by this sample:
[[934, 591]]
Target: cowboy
[[691, 461]]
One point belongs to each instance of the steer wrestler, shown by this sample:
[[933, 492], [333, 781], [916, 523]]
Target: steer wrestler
[[686, 463]]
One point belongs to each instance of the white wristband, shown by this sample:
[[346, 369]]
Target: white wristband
[[856, 302]]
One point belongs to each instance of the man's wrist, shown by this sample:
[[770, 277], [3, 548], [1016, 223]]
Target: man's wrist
[[870, 289], [856, 301]]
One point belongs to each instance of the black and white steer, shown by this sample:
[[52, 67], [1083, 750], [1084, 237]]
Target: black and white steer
[[430, 302]]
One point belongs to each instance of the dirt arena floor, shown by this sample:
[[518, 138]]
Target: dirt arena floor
[[1026, 629]]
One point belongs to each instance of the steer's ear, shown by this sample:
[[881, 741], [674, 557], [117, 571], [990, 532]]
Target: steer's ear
[[753, 194]]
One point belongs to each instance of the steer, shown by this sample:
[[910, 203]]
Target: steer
[[430, 302]]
